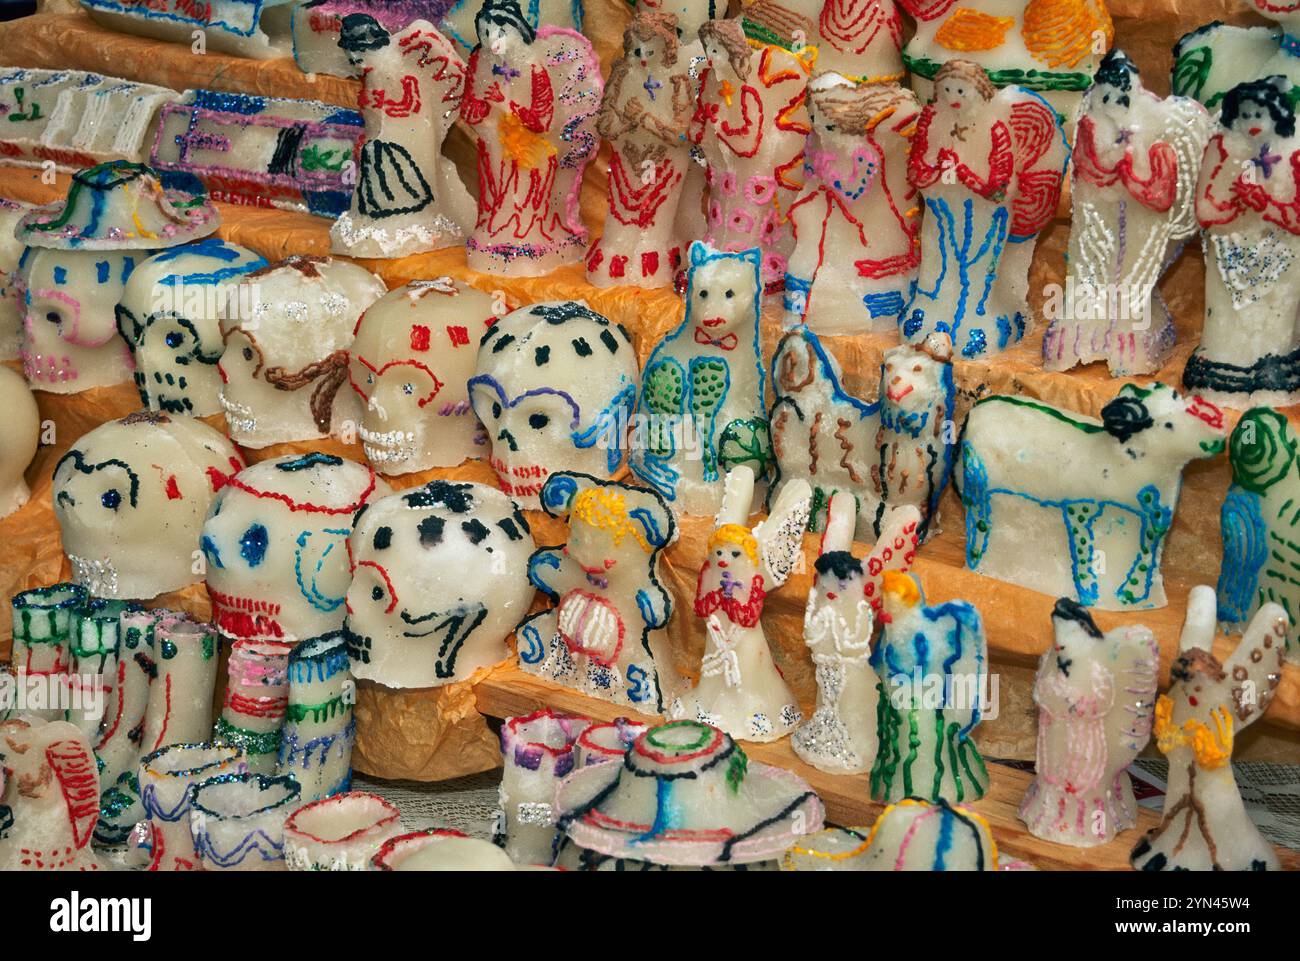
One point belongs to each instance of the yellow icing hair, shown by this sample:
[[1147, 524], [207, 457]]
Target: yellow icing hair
[[605, 508], [1212, 747], [738, 535]]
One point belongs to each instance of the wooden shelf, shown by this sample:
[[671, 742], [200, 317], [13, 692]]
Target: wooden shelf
[[507, 691]]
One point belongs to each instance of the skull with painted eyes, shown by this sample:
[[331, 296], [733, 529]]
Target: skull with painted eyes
[[275, 542], [413, 353], [439, 579], [130, 498], [284, 369], [168, 316], [554, 388]]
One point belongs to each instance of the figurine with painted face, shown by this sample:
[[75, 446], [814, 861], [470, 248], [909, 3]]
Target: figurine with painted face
[[275, 542], [645, 115], [1205, 825], [20, 434], [605, 636], [287, 328], [439, 579], [989, 165], [1050, 46], [130, 498], [1095, 694], [531, 104], [80, 253], [410, 360], [741, 690], [460, 20], [1136, 163], [52, 797], [408, 197], [861, 39], [894, 452], [703, 409], [925, 746], [1212, 59], [855, 225], [1075, 506], [554, 388], [750, 124], [1247, 204], [11, 294], [169, 317]]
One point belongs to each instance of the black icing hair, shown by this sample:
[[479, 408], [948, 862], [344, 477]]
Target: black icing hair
[[361, 32], [1117, 71], [1125, 416], [840, 563], [505, 13], [1068, 609], [1271, 93]]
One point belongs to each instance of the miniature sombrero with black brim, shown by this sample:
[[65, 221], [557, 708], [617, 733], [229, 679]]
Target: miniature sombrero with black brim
[[119, 206], [686, 794]]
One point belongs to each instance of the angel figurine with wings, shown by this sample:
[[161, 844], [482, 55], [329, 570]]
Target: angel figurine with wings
[[989, 165], [1205, 826], [1136, 161], [531, 104], [1095, 694], [1248, 203], [408, 197], [741, 690], [840, 737]]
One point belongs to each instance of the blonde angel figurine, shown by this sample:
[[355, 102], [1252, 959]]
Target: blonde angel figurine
[[840, 737], [741, 691], [645, 116], [1205, 826]]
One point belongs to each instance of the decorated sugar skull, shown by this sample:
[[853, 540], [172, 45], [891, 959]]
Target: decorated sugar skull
[[287, 328], [80, 253], [20, 430], [130, 498], [168, 316], [11, 300], [275, 542], [439, 578], [554, 388], [413, 353]]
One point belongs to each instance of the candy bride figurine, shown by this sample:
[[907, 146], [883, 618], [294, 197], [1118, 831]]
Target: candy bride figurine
[[989, 166], [1095, 694], [408, 197], [1205, 824], [861, 39], [1246, 201], [1136, 162], [855, 225], [750, 123], [931, 662], [840, 737], [740, 689], [645, 114], [531, 103]]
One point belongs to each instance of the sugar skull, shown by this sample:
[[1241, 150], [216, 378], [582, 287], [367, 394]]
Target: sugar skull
[[287, 328], [439, 579], [554, 387], [20, 430], [413, 353], [11, 301], [275, 541], [130, 498], [80, 253], [168, 316]]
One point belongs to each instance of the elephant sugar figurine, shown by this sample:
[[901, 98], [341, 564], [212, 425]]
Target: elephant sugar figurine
[[606, 634], [1205, 825], [1077, 506]]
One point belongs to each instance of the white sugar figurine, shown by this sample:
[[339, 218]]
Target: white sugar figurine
[[1205, 825], [408, 197], [741, 691], [1095, 694], [20, 433], [1136, 163], [855, 220]]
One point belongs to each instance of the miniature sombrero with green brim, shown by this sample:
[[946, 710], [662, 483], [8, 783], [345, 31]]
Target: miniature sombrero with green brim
[[686, 794], [119, 206]]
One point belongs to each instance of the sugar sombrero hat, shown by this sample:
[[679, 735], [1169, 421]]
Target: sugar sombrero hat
[[119, 206], [686, 794]]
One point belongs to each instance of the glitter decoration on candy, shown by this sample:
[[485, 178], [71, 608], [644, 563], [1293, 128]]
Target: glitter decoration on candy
[[238, 821], [339, 833], [246, 28], [538, 750], [168, 778], [317, 25], [320, 726]]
